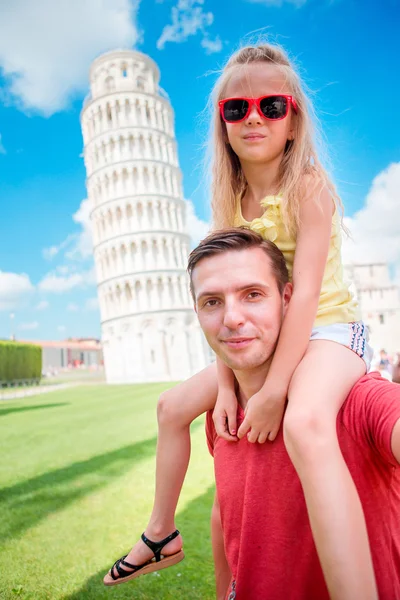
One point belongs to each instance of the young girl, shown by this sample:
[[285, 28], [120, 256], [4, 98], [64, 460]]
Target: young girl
[[267, 176]]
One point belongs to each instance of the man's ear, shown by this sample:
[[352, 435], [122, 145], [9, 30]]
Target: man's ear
[[286, 296], [195, 307]]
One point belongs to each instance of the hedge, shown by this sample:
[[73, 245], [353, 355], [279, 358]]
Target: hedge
[[20, 361]]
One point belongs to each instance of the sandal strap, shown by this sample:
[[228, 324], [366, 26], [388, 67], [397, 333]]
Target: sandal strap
[[122, 572], [156, 547], [126, 564]]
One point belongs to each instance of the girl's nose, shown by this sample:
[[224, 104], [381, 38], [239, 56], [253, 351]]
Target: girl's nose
[[253, 116]]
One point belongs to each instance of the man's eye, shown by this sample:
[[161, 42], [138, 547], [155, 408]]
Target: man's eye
[[211, 303], [254, 295]]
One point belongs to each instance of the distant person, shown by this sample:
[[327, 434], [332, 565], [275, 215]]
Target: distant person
[[383, 365], [384, 359], [384, 372], [396, 369], [268, 176]]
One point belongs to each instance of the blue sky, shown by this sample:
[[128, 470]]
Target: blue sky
[[348, 55]]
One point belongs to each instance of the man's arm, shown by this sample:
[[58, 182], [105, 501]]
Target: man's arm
[[222, 572], [374, 416], [396, 441]]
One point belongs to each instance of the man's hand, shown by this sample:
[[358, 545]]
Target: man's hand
[[263, 416], [225, 415]]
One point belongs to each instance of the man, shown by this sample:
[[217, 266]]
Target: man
[[240, 286]]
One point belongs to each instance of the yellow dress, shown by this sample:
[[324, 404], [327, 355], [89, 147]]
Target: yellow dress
[[336, 303]]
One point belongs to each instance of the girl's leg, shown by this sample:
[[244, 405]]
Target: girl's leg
[[318, 389], [176, 410]]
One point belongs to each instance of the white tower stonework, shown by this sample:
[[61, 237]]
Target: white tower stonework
[[149, 329]]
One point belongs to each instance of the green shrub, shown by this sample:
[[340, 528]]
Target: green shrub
[[20, 361]]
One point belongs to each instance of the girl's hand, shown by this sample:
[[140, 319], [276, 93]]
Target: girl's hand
[[224, 415], [263, 416]]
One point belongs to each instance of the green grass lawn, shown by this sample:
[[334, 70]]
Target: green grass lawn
[[77, 481]]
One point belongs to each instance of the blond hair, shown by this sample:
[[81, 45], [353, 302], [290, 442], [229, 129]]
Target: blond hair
[[300, 158]]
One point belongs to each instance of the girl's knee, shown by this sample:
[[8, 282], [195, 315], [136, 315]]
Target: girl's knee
[[169, 408], [308, 435]]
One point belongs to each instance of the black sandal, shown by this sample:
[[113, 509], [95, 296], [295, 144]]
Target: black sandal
[[158, 562]]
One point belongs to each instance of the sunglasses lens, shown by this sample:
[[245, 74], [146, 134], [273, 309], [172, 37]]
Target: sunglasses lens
[[274, 107], [235, 110]]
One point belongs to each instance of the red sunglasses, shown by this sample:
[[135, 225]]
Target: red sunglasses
[[272, 108]]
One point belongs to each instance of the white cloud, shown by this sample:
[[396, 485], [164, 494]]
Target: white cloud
[[77, 246], [46, 47], [63, 269], [90, 275], [2, 149], [28, 326], [92, 303], [197, 228], [279, 3], [49, 253], [42, 305], [212, 46], [61, 328], [14, 289], [52, 251], [83, 246], [72, 307], [375, 229], [188, 18], [58, 284]]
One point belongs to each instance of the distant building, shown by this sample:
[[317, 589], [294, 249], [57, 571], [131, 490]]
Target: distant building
[[379, 300], [72, 353]]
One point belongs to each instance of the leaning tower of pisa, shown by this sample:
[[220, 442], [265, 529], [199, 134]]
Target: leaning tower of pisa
[[134, 184]]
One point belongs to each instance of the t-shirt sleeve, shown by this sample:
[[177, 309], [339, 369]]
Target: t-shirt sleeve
[[210, 432], [379, 402]]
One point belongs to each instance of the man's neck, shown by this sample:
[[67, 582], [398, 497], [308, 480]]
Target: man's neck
[[250, 382]]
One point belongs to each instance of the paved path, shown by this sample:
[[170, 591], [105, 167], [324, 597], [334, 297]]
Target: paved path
[[35, 391]]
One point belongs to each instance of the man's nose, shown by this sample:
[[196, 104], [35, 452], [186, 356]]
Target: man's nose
[[233, 317]]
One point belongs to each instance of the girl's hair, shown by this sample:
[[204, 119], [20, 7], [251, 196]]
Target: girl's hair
[[300, 157]]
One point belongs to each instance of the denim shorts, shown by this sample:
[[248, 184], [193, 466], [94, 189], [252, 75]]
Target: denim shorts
[[352, 335]]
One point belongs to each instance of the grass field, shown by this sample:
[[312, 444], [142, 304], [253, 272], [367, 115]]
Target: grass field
[[77, 479]]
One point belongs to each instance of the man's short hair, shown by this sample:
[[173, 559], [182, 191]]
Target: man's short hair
[[236, 239]]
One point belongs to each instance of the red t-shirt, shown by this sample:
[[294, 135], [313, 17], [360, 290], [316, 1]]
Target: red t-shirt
[[268, 540]]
